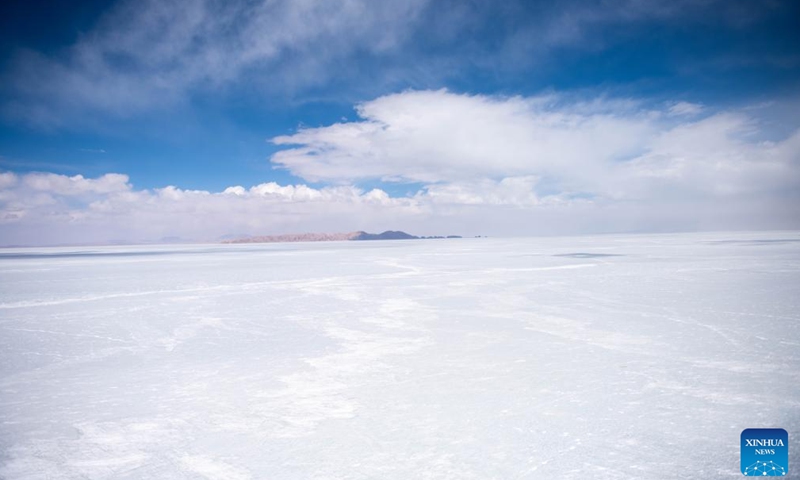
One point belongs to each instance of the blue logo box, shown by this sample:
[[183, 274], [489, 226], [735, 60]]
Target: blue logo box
[[765, 452]]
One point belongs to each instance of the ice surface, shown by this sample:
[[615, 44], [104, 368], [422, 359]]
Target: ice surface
[[591, 357]]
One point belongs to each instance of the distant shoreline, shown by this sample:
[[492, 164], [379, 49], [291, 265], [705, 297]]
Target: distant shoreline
[[332, 237]]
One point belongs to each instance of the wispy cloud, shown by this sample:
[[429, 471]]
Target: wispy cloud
[[684, 108], [146, 55], [150, 55], [15, 163]]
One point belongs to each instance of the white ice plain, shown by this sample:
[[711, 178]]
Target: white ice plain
[[572, 358]]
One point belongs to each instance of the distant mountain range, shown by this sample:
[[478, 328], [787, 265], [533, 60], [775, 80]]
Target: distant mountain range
[[330, 237]]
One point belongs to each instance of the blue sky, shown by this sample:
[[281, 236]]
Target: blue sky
[[476, 117]]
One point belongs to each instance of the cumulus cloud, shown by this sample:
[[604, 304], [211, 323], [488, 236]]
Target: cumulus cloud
[[77, 185], [718, 156], [46, 208], [435, 136], [516, 191], [7, 179], [603, 148]]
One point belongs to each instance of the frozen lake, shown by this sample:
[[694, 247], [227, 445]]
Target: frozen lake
[[585, 357]]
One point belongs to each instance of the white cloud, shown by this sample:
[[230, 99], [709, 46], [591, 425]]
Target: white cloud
[[516, 191], [38, 208], [436, 136], [603, 148], [77, 185], [7, 179], [685, 108]]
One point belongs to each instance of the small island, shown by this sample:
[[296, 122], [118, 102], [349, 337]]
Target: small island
[[332, 237]]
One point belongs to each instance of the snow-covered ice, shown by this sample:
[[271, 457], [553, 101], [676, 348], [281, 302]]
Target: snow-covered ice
[[640, 356]]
